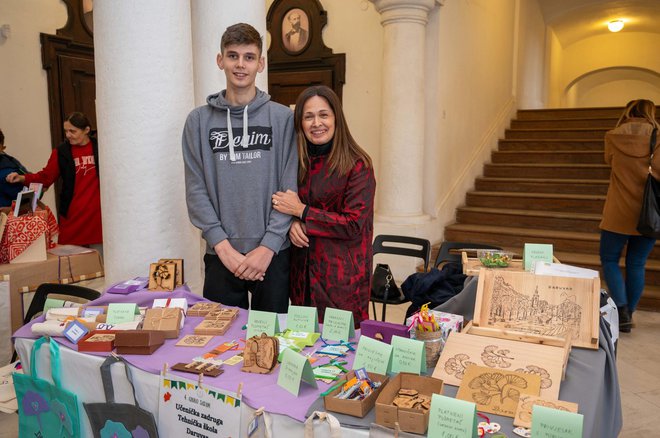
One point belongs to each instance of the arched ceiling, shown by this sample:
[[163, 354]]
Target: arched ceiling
[[574, 20]]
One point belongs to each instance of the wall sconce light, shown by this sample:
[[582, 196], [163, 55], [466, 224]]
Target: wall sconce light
[[615, 25]]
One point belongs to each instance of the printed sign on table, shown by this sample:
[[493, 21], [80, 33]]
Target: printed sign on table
[[185, 409]]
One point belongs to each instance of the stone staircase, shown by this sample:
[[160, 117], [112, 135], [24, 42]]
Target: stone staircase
[[547, 183]]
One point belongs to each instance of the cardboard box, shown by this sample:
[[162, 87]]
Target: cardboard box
[[356, 408], [410, 420], [98, 340], [26, 277], [164, 319], [138, 341]]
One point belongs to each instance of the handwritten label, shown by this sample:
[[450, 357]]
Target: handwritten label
[[408, 355], [452, 418], [553, 423], [373, 355], [294, 369], [262, 322], [338, 325], [303, 319], [121, 312]]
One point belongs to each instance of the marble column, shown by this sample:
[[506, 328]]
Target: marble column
[[400, 182], [210, 18], [144, 91]]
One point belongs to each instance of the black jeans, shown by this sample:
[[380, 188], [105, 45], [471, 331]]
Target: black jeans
[[270, 295]]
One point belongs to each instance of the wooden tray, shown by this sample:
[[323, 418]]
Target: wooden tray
[[472, 265], [540, 305], [463, 349]]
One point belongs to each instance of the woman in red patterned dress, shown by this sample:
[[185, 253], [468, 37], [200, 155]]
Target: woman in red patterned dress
[[334, 210]]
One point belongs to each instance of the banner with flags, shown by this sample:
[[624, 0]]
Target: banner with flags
[[186, 409]]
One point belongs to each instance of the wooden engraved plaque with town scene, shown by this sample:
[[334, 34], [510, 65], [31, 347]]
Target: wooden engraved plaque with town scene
[[463, 350], [539, 304]]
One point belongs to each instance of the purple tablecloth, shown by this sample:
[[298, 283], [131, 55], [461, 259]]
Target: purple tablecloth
[[259, 390]]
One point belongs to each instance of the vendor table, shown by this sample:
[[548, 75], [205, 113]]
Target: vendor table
[[591, 381]]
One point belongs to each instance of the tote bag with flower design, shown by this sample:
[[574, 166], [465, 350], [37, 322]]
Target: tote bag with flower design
[[45, 409]]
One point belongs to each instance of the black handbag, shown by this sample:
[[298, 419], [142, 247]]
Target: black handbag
[[648, 224], [383, 279]]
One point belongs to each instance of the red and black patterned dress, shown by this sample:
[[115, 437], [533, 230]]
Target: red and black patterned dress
[[335, 270]]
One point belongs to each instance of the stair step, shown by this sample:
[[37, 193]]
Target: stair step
[[518, 144], [540, 185], [559, 171], [537, 201], [598, 122], [564, 157], [575, 133], [569, 113], [650, 298], [552, 220]]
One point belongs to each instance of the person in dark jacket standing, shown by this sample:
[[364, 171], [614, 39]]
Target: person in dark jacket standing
[[334, 209], [8, 164], [75, 161]]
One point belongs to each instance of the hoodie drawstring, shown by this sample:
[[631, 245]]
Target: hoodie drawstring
[[244, 140]]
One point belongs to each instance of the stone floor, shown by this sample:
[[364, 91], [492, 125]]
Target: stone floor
[[637, 362]]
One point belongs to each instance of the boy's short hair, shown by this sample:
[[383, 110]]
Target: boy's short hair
[[242, 34]]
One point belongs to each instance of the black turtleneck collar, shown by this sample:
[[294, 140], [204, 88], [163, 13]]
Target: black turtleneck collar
[[318, 150]]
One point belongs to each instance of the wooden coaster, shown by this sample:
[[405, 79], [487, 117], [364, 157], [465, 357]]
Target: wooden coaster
[[194, 341]]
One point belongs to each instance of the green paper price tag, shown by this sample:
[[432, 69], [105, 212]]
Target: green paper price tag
[[373, 355], [122, 312], [294, 369], [262, 322], [338, 325], [553, 423], [408, 355], [452, 418], [303, 319]]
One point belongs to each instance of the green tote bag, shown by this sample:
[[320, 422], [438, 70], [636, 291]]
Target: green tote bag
[[45, 409]]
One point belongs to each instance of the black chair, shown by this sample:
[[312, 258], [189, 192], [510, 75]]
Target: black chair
[[450, 251], [63, 291], [415, 247]]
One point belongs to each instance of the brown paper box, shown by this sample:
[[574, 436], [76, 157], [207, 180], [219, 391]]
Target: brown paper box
[[410, 420], [356, 408], [164, 319], [26, 277], [216, 327], [138, 341]]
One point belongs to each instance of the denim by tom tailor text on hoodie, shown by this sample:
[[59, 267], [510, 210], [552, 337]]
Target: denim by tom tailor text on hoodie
[[235, 158]]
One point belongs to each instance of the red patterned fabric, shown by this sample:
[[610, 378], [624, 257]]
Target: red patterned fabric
[[339, 224], [21, 231]]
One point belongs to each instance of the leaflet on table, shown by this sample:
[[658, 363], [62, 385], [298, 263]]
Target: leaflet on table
[[129, 286], [562, 270]]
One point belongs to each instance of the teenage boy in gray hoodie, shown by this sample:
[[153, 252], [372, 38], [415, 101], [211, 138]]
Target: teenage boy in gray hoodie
[[238, 150]]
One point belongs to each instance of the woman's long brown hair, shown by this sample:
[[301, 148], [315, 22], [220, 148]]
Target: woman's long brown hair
[[345, 150], [639, 108]]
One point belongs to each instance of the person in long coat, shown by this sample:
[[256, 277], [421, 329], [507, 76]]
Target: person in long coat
[[331, 261], [628, 151]]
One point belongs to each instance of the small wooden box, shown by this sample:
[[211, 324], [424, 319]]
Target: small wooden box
[[98, 340], [162, 276], [164, 319], [178, 276], [216, 327], [138, 341], [540, 305]]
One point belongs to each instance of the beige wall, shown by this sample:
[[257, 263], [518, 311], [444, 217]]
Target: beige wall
[[530, 74], [24, 114], [614, 87]]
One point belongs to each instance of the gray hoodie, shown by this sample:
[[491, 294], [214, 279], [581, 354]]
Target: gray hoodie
[[232, 173]]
